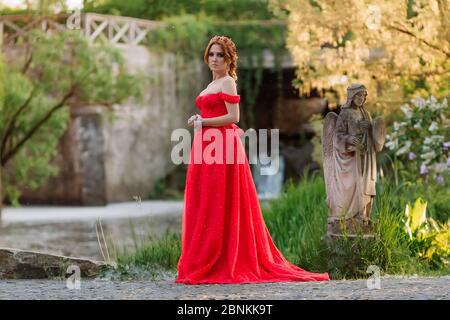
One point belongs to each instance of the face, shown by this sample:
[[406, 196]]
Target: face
[[216, 59], [359, 98]]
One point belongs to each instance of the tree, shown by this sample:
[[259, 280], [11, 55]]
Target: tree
[[2, 101], [37, 6], [59, 71], [160, 9], [396, 48]]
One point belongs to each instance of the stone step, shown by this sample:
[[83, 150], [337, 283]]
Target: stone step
[[20, 264]]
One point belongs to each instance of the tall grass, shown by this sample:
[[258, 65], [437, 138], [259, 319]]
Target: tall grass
[[297, 222], [154, 253], [387, 249]]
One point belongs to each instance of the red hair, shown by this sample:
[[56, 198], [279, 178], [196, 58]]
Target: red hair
[[229, 50]]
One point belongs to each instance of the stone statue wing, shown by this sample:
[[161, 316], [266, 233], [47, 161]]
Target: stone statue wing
[[379, 133], [329, 125]]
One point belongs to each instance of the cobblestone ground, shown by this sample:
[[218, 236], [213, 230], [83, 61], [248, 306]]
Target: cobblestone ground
[[409, 288]]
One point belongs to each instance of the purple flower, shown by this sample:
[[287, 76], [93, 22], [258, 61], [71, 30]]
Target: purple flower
[[446, 145], [411, 156], [440, 179], [423, 169]]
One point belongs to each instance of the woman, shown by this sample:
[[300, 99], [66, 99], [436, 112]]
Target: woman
[[224, 237]]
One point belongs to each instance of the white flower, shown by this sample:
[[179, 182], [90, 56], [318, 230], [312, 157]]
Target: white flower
[[404, 149], [418, 125], [428, 156], [393, 144], [433, 126], [433, 139], [395, 135], [400, 127], [407, 111], [444, 103], [439, 167], [437, 138], [418, 102], [431, 100]]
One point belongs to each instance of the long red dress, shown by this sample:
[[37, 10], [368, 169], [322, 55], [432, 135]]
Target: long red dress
[[224, 237]]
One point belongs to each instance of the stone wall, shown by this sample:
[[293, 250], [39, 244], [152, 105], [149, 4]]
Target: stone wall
[[111, 155]]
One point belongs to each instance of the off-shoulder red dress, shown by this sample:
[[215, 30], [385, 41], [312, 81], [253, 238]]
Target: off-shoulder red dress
[[224, 237]]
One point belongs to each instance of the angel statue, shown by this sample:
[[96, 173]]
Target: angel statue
[[350, 142]]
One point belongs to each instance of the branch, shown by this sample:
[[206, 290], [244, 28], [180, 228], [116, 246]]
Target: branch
[[420, 39], [12, 122], [27, 64], [13, 151], [33, 130]]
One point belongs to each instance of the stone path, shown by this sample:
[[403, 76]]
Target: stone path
[[392, 287]]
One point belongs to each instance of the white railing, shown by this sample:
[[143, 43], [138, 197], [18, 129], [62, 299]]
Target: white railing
[[116, 29]]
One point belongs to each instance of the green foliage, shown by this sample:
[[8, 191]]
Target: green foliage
[[297, 224], [61, 70], [153, 253], [397, 49], [421, 140], [31, 166], [387, 249], [45, 7], [159, 9], [2, 83], [183, 35], [316, 123], [170, 187], [96, 73], [429, 239]]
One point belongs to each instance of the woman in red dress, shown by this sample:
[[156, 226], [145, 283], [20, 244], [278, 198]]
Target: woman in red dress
[[224, 237]]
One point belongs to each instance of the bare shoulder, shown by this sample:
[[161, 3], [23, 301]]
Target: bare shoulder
[[229, 86]]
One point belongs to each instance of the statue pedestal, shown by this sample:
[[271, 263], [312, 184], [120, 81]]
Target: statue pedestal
[[334, 237], [350, 228]]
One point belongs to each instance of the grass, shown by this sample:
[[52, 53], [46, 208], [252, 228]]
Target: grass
[[156, 253], [297, 223]]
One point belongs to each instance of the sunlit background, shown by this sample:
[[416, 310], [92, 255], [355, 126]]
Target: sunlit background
[[22, 4]]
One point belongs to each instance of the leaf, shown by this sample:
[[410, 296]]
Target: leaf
[[417, 214]]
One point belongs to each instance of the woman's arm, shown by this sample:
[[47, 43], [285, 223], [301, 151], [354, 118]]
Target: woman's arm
[[229, 87]]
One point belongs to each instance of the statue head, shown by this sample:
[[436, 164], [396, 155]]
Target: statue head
[[356, 93]]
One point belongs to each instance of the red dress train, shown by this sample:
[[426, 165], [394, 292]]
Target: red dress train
[[224, 237]]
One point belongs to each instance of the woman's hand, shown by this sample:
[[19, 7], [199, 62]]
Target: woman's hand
[[198, 122], [192, 119]]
